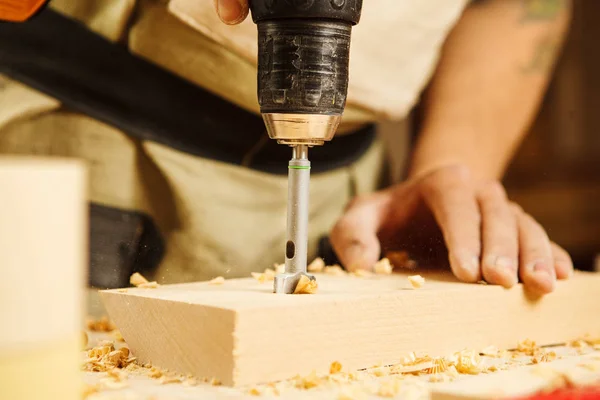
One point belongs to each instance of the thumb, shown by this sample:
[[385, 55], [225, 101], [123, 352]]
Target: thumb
[[232, 12], [354, 237]]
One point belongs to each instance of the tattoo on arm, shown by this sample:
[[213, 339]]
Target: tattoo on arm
[[543, 56], [541, 10], [544, 53]]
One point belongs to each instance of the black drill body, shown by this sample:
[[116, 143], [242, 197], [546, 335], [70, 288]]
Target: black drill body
[[303, 54]]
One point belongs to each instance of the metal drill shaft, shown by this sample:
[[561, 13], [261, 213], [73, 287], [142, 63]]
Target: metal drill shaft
[[296, 248]]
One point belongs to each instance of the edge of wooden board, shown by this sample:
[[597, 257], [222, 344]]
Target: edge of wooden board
[[251, 345]]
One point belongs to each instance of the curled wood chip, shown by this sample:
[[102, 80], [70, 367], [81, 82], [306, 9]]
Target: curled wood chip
[[468, 362], [362, 273], [139, 281], [219, 280], [335, 367], [383, 267], [482, 282], [306, 286], [543, 356], [317, 265], [578, 343], [416, 281], [439, 365], [334, 270], [527, 347], [102, 324], [104, 357], [262, 277]]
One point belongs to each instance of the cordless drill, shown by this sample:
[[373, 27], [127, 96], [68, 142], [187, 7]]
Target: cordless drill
[[303, 57]]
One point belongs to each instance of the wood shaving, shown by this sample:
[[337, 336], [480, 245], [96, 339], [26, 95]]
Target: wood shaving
[[262, 277], [122, 290], [104, 357], [254, 391], [100, 325], [592, 341], [416, 281], [306, 286], [362, 273], [439, 365], [482, 282], [334, 270], [543, 356], [578, 344], [335, 368], [84, 340], [139, 281], [468, 362], [317, 265], [155, 373], [219, 280], [383, 267], [527, 347], [190, 381], [308, 382]]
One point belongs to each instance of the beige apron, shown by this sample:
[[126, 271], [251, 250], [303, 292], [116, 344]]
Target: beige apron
[[217, 219]]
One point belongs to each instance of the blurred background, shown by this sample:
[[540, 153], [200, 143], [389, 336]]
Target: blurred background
[[556, 173]]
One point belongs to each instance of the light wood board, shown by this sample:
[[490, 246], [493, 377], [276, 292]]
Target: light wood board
[[241, 333]]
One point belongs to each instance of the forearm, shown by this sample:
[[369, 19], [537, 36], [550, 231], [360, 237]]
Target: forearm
[[492, 75]]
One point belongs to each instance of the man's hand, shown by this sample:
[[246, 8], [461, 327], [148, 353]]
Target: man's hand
[[447, 216], [232, 12]]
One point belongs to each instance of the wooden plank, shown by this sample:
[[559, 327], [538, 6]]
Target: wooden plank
[[241, 333]]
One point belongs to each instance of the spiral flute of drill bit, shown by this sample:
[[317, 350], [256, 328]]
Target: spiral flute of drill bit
[[296, 249]]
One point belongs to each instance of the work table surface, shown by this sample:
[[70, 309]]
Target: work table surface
[[579, 362]]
